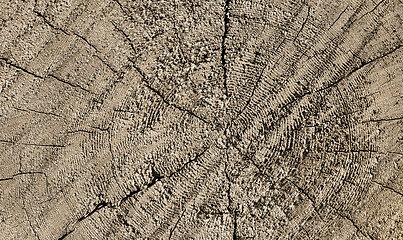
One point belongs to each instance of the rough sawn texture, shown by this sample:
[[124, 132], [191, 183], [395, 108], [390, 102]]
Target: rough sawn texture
[[173, 119]]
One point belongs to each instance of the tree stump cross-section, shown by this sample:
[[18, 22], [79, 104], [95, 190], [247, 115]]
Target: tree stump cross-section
[[232, 119]]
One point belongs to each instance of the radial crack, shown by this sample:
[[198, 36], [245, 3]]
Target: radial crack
[[21, 68], [301, 190], [389, 188], [157, 177], [163, 98], [50, 24], [65, 235], [303, 24], [98, 207], [36, 111], [42, 77], [223, 45], [69, 83], [337, 19], [353, 223], [176, 224], [86, 41], [376, 6], [125, 36], [362, 65], [29, 220], [383, 120]]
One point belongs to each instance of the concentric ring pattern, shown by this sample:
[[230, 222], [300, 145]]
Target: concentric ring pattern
[[207, 119]]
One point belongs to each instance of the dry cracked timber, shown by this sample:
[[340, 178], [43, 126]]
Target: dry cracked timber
[[229, 119]]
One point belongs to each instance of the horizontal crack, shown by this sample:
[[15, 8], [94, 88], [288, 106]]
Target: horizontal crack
[[36, 111], [33, 144], [24, 173], [383, 120]]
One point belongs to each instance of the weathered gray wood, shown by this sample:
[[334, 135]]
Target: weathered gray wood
[[227, 119]]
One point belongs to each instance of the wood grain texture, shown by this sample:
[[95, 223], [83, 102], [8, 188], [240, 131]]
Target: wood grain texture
[[232, 119]]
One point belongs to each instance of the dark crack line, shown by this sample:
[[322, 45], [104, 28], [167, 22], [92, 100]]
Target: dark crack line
[[141, 46], [190, 161], [125, 36], [80, 130], [249, 158], [157, 177], [36, 111], [386, 187], [64, 31], [41, 77], [121, 7], [6, 179], [383, 120], [365, 14], [66, 234], [29, 220], [131, 194], [109, 66], [20, 68], [337, 19], [223, 45], [235, 222], [98, 207], [124, 111], [362, 65], [230, 209], [50, 24], [352, 222], [255, 86], [85, 40], [69, 83], [102, 129], [303, 24], [176, 224], [78, 36], [33, 144], [301, 190], [159, 94], [20, 173]]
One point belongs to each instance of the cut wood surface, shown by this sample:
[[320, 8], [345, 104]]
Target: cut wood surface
[[231, 119]]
